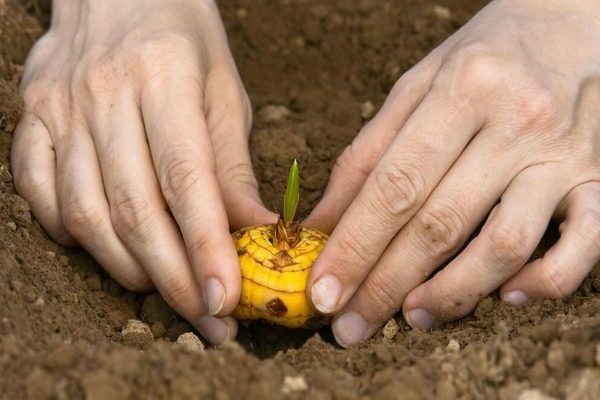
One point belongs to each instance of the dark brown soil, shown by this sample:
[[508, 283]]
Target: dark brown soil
[[61, 317]]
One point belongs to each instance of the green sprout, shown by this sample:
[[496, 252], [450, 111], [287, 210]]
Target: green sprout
[[292, 193]]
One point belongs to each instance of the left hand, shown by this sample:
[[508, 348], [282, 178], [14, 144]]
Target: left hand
[[506, 109]]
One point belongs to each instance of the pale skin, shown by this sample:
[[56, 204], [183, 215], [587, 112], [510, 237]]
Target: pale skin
[[134, 145]]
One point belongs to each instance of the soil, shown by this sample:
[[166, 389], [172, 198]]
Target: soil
[[62, 318]]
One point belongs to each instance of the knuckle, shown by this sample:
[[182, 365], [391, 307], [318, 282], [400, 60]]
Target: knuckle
[[536, 108], [396, 190], [152, 52], [238, 175], [481, 70], [453, 304], [590, 228], [176, 291], [354, 248], [348, 162], [137, 282], [81, 218], [509, 245], [219, 121], [410, 87], [556, 284], [30, 182], [180, 174], [43, 90], [96, 78], [130, 213], [35, 91], [201, 244], [381, 295], [441, 229]]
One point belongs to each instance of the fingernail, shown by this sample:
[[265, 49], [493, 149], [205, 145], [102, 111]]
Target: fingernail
[[214, 296], [419, 318], [213, 329], [325, 294], [515, 297], [349, 329]]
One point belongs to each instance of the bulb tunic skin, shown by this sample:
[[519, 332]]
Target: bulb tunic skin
[[275, 274]]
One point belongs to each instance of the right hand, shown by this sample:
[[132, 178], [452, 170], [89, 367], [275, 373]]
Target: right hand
[[133, 144]]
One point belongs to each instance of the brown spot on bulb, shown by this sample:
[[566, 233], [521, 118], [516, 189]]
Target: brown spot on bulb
[[276, 307]]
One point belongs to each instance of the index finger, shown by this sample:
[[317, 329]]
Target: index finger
[[423, 151], [183, 158]]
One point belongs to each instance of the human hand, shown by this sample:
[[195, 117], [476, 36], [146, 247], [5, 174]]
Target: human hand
[[506, 109], [134, 145]]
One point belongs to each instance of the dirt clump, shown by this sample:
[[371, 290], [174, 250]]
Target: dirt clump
[[65, 326]]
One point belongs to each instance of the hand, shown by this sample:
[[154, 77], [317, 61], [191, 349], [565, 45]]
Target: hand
[[506, 109], [134, 145]]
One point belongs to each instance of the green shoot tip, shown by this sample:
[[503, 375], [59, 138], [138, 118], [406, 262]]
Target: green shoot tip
[[292, 193]]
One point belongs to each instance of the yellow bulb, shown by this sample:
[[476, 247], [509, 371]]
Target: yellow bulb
[[274, 276]]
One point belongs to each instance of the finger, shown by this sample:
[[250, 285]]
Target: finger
[[184, 160], [424, 150], [433, 235], [360, 157], [85, 211], [34, 168], [228, 117], [564, 266], [503, 246], [138, 212], [218, 331]]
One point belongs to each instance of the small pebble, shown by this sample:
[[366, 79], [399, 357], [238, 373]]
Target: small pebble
[[51, 255], [312, 31], [158, 329], [30, 295], [93, 282], [442, 12], [241, 13], [390, 329], [16, 285], [20, 212], [5, 326], [273, 113], [598, 355], [367, 110], [293, 384], [5, 175], [64, 260], [11, 225], [137, 334], [534, 394], [190, 342], [299, 42], [453, 346]]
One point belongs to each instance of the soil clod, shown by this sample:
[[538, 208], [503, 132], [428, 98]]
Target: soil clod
[[137, 334]]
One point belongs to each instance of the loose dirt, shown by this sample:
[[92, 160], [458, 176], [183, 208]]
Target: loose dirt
[[329, 65]]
